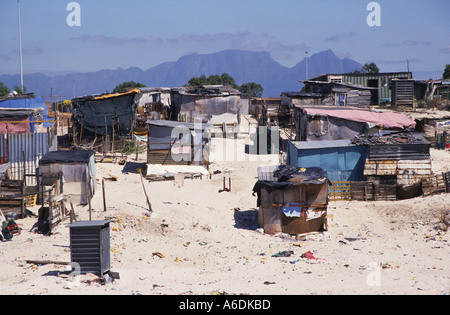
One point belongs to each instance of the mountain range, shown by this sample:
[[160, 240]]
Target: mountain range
[[243, 66]]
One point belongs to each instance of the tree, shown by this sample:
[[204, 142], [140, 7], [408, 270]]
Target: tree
[[126, 86], [446, 74], [19, 90], [4, 90], [226, 79], [251, 89], [214, 79], [370, 68]]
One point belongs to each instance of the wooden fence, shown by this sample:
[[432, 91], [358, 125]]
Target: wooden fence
[[376, 191], [436, 184]]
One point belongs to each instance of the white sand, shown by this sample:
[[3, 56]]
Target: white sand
[[210, 244]]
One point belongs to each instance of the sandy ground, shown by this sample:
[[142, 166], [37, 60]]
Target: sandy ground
[[200, 241]]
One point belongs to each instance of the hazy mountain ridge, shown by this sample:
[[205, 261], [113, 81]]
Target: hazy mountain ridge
[[243, 66]]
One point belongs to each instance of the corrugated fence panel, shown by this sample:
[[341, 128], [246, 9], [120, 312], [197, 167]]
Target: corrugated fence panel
[[3, 150], [23, 152], [32, 144]]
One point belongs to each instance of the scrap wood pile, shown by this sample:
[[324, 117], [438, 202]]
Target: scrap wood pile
[[171, 176]]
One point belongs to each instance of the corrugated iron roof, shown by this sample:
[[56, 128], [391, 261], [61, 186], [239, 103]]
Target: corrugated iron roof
[[322, 144]]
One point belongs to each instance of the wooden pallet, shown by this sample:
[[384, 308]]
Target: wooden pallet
[[363, 191], [339, 190], [385, 192]]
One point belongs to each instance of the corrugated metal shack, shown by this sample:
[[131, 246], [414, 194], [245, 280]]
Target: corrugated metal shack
[[402, 92], [15, 121], [153, 103], [411, 93], [172, 142], [29, 101], [271, 110], [295, 202], [292, 99], [380, 81], [78, 171], [432, 123], [339, 158], [212, 104], [336, 123], [340, 94]]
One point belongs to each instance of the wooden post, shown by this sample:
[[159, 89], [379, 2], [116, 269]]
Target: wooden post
[[137, 148], [145, 193], [72, 213], [89, 195], [113, 138], [104, 197]]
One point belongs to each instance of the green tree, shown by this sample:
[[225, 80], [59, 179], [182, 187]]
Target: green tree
[[370, 68], [126, 86], [226, 79], [197, 81], [214, 79], [19, 90], [251, 89], [446, 74], [4, 90]]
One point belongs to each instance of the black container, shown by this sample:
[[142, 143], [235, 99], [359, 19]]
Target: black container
[[90, 246]]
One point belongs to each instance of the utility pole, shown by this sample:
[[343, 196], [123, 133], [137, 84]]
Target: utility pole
[[306, 59], [20, 48]]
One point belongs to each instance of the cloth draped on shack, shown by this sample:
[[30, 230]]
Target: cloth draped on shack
[[105, 114], [295, 203]]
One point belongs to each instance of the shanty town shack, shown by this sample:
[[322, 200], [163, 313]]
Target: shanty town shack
[[17, 121], [380, 82], [28, 102], [109, 117], [182, 143], [336, 123], [154, 103], [212, 104], [78, 171], [294, 201], [339, 158], [334, 94]]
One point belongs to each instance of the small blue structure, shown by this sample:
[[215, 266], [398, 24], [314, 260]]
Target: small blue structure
[[339, 158]]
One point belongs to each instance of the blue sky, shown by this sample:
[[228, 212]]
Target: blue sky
[[145, 33]]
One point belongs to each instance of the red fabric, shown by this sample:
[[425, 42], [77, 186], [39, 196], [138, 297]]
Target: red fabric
[[13, 128], [384, 119]]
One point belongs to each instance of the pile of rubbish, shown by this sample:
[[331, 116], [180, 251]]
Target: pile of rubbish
[[397, 138], [9, 228]]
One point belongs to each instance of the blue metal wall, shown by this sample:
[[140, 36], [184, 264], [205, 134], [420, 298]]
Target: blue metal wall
[[343, 163]]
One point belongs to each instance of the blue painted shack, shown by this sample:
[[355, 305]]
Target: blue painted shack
[[339, 158]]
